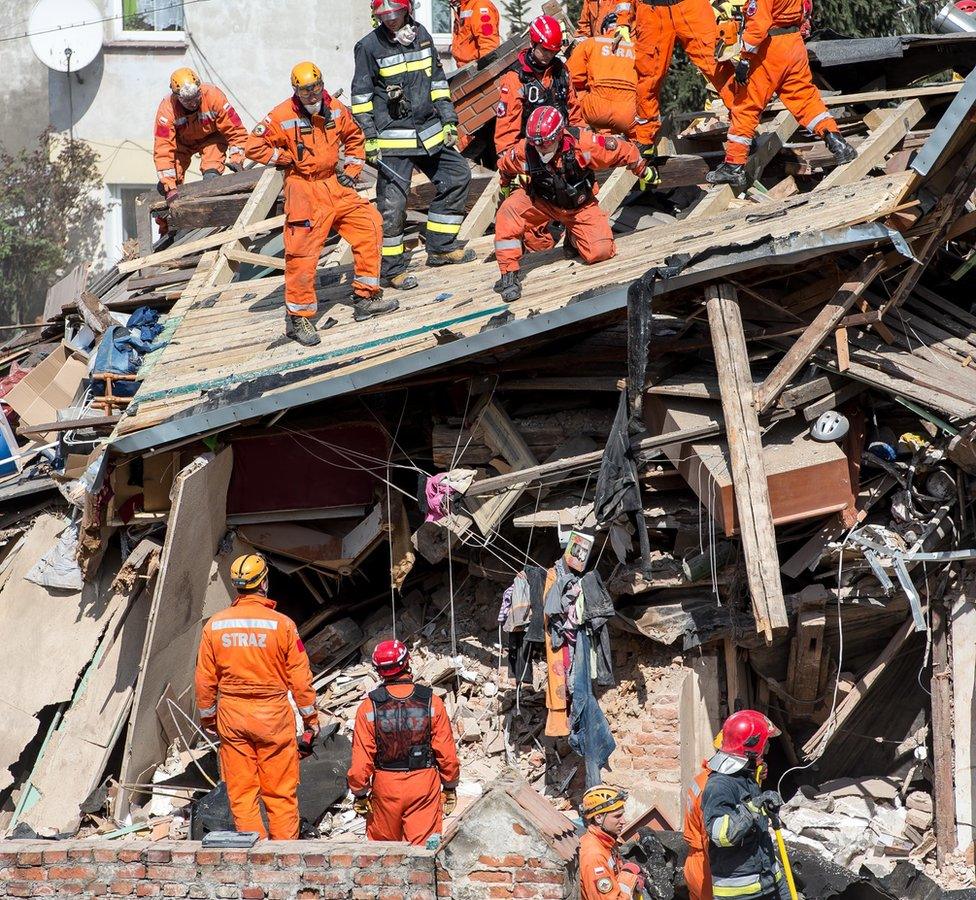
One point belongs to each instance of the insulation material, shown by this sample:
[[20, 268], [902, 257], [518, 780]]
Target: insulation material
[[49, 636]]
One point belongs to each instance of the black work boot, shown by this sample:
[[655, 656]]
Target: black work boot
[[364, 308], [299, 328], [733, 174], [401, 282], [451, 257], [843, 152], [509, 286], [570, 250]]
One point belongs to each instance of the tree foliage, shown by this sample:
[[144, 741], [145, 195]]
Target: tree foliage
[[517, 12], [50, 215], [573, 9]]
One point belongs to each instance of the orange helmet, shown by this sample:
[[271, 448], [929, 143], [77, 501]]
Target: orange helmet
[[184, 81], [305, 75]]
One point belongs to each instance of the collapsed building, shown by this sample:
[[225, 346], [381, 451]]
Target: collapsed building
[[647, 419]]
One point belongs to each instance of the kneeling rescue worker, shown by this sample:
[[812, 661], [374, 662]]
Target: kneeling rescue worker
[[250, 658], [403, 754], [774, 60], [555, 164], [736, 813], [603, 876], [304, 136]]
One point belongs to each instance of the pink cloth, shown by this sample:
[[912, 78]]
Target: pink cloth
[[438, 493]]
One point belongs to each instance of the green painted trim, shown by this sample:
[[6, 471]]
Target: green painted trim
[[200, 386]]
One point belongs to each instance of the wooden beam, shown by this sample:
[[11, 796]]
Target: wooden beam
[[814, 747], [871, 153], [943, 763], [929, 90], [816, 332], [715, 201], [843, 349], [746, 458], [254, 259], [807, 657], [68, 425], [482, 214], [613, 191], [770, 138]]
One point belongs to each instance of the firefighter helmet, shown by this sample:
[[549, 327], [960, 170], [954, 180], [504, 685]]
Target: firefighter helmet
[[391, 658], [545, 126], [609, 23], [746, 734], [247, 572], [547, 31], [306, 75], [602, 799], [390, 7], [184, 82]]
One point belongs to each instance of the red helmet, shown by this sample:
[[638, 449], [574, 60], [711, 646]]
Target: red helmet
[[545, 125], [389, 7], [747, 733], [966, 6], [546, 31], [391, 658]]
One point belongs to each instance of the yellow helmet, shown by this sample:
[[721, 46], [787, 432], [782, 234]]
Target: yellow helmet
[[247, 572], [602, 799], [184, 79], [305, 75]]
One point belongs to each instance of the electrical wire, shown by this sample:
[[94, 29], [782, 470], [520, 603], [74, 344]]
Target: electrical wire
[[389, 514]]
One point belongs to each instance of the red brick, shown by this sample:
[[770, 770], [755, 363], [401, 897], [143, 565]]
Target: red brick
[[369, 878], [316, 860], [234, 857], [29, 858], [540, 876], [341, 860], [123, 888], [175, 890], [491, 877], [267, 876], [325, 878], [501, 862], [69, 873], [496, 891], [70, 888], [18, 889], [365, 860], [132, 870], [539, 892], [158, 856], [208, 857], [8, 857], [82, 854], [420, 878], [106, 856], [145, 889], [130, 856], [289, 860], [253, 893], [53, 857], [34, 873], [393, 859]]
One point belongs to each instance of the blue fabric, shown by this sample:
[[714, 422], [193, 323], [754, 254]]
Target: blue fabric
[[589, 731], [146, 319], [119, 353]]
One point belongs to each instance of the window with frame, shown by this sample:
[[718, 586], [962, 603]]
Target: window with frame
[[435, 16], [152, 18]]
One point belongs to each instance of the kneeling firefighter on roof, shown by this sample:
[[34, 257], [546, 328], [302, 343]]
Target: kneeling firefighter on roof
[[402, 102], [304, 135], [250, 658], [736, 814], [554, 169], [404, 770]]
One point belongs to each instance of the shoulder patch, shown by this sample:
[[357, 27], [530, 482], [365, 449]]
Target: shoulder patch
[[259, 129], [604, 885], [610, 143], [501, 109]]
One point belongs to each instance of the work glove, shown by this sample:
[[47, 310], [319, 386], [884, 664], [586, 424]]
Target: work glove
[[307, 741], [450, 135], [621, 36], [236, 160], [637, 872], [345, 180], [449, 800], [504, 191], [647, 175], [771, 801], [373, 155], [362, 806], [742, 71]]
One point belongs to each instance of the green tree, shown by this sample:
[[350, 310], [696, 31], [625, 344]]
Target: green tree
[[50, 215], [517, 12], [573, 10]]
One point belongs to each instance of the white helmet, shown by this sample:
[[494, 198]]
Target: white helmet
[[831, 426]]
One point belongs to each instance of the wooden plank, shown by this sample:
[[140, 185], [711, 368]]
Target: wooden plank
[[871, 153], [69, 425], [943, 763], [806, 654], [613, 191], [843, 349], [770, 138], [806, 345], [254, 259], [746, 459], [482, 214], [822, 737], [963, 624], [928, 90], [715, 201]]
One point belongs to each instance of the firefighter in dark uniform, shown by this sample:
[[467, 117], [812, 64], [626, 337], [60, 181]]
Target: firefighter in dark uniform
[[736, 811], [404, 769], [401, 100]]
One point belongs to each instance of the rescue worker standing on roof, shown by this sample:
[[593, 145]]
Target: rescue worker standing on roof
[[474, 31], [736, 810], [773, 60], [605, 81], [404, 770], [305, 135], [402, 102], [556, 165], [250, 659], [656, 25], [195, 118], [603, 875]]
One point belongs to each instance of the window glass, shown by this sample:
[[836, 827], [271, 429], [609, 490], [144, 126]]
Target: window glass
[[152, 15]]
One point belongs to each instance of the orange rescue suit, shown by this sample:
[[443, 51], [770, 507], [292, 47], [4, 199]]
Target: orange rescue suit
[[600, 875], [212, 130], [605, 81], [476, 31], [773, 45], [405, 806], [250, 658], [588, 226], [594, 12], [698, 876], [656, 26], [307, 147]]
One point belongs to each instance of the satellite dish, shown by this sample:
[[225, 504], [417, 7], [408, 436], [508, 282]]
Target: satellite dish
[[65, 35]]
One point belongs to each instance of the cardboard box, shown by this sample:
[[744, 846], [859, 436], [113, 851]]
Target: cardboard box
[[47, 388]]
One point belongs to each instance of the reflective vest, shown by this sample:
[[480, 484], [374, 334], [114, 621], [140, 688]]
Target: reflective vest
[[403, 729], [568, 186]]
